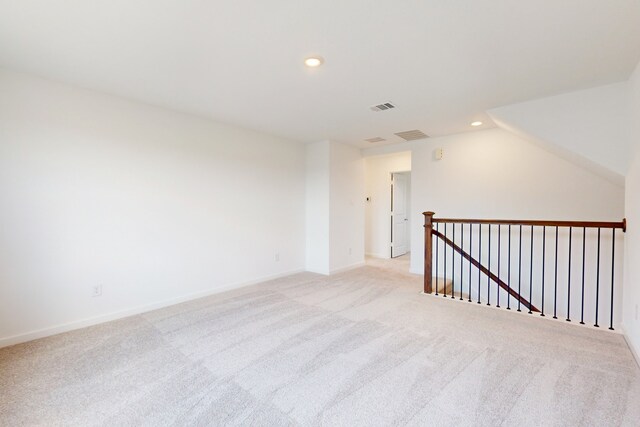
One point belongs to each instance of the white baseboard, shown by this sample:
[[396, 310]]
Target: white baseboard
[[379, 256], [416, 271], [310, 270], [348, 267], [83, 323], [634, 352]]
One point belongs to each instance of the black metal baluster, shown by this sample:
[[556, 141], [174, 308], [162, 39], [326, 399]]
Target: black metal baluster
[[471, 255], [584, 240], [444, 252], [453, 263], [461, 258], [544, 251], [568, 319], [498, 287], [520, 269], [597, 279], [531, 274], [509, 272], [555, 284], [613, 268], [479, 257], [437, 246], [489, 268]]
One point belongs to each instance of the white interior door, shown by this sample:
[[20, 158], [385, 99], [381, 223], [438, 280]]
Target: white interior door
[[399, 215]]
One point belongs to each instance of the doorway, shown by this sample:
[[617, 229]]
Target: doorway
[[400, 218]]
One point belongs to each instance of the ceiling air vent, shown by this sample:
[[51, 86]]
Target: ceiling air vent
[[383, 107], [376, 139], [412, 135]]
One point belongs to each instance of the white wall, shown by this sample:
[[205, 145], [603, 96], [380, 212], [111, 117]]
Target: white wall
[[631, 291], [318, 206], [492, 173], [378, 171], [347, 207], [580, 126], [495, 175], [159, 207], [335, 207], [153, 205]]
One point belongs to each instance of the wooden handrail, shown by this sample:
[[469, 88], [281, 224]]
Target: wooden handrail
[[611, 227], [542, 223], [486, 271]]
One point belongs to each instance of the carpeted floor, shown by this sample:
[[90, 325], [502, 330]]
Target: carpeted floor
[[363, 347]]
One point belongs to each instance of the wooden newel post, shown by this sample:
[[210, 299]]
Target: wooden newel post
[[428, 242]]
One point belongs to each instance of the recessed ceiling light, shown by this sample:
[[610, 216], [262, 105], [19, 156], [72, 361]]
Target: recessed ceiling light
[[476, 123], [313, 61]]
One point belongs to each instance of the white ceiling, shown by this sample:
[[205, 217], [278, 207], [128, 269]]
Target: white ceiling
[[443, 62]]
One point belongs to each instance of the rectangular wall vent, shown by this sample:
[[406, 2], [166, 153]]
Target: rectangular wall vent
[[412, 135], [382, 107], [376, 139]]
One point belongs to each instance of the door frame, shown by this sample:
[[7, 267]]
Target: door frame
[[408, 201]]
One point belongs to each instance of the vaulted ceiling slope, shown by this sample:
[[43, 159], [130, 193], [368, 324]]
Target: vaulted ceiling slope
[[589, 127], [443, 63]]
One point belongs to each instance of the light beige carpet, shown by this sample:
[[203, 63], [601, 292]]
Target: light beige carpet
[[363, 347]]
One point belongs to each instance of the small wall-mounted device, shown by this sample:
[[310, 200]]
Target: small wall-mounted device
[[368, 199], [438, 153]]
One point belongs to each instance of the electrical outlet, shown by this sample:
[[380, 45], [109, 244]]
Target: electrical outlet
[[277, 257], [96, 291]]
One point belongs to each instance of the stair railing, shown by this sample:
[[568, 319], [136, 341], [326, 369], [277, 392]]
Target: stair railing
[[532, 264]]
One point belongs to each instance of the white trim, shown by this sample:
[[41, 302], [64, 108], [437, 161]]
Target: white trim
[[324, 273], [379, 256], [635, 354], [348, 267], [83, 323]]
